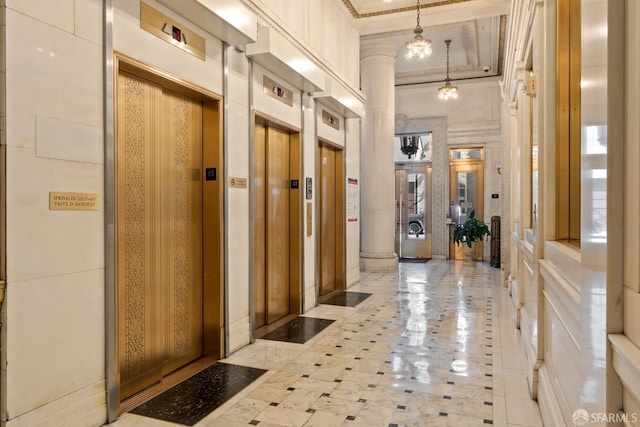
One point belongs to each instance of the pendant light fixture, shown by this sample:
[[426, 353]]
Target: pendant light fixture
[[419, 47], [447, 91]]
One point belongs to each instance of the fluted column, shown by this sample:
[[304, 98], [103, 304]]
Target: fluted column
[[376, 156]]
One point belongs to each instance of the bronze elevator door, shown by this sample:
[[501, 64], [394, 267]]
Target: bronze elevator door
[[159, 231], [330, 220], [271, 183]]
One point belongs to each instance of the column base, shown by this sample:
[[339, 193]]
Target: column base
[[378, 263]]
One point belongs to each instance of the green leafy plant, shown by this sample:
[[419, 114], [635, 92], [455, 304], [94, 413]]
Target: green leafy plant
[[470, 231]]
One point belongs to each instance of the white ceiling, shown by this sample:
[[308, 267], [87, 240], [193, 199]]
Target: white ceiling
[[475, 27]]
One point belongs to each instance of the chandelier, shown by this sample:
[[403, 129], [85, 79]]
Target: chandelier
[[418, 47], [447, 91], [409, 145]]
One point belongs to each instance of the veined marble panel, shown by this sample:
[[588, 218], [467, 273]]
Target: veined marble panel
[[45, 243], [564, 300], [58, 14], [50, 73], [55, 320], [85, 407]]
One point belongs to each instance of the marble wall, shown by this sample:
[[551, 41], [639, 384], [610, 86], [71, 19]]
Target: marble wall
[[53, 318], [53, 315], [573, 308]]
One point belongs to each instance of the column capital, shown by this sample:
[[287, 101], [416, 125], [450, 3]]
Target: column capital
[[370, 48]]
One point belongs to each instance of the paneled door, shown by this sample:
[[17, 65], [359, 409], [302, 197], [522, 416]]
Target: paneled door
[[331, 218], [271, 222], [466, 192], [159, 231]]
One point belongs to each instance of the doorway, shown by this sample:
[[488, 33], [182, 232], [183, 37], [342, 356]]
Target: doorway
[[466, 192], [331, 220], [277, 223], [166, 226], [413, 211]]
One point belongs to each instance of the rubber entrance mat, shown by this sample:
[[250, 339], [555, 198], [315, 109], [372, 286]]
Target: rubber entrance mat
[[299, 330], [415, 260], [347, 299], [195, 398]]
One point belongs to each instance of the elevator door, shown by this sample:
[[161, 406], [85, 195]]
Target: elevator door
[[159, 231], [271, 188], [331, 217]]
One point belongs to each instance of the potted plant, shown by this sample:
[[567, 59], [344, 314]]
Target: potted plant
[[469, 232]]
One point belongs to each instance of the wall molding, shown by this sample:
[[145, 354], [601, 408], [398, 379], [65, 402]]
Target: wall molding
[[626, 362]]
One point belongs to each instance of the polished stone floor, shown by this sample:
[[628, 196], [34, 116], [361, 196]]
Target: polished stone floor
[[434, 345]]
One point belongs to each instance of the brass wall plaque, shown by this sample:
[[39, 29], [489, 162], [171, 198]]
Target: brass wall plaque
[[73, 201], [330, 120], [162, 26], [235, 182], [277, 91]]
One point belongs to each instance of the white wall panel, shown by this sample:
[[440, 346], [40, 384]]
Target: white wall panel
[[58, 14], [353, 227], [57, 346], [326, 132], [131, 40], [272, 107]]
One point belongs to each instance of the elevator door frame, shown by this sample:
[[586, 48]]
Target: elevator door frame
[[213, 334], [296, 200], [340, 218], [466, 165]]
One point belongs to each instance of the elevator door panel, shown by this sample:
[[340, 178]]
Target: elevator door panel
[[327, 220], [271, 225], [277, 224], [159, 225], [259, 227]]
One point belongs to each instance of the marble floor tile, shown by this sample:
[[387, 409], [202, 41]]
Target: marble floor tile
[[432, 344]]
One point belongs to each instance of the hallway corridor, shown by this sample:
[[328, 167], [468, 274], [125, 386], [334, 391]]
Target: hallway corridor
[[434, 345]]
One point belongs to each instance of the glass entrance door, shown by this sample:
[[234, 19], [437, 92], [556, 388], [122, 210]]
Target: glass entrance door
[[413, 211]]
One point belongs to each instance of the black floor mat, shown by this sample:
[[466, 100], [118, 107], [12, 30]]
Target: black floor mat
[[347, 299], [299, 330], [196, 397]]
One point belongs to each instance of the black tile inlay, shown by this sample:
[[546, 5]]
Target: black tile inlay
[[299, 330], [195, 398], [347, 299]]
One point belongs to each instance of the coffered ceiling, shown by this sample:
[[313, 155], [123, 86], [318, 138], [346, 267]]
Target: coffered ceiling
[[476, 29]]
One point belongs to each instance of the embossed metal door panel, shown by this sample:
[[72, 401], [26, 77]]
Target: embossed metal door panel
[[180, 195], [159, 231]]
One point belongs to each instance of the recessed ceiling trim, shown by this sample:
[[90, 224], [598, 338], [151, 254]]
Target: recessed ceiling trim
[[358, 15]]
